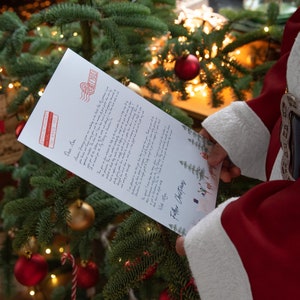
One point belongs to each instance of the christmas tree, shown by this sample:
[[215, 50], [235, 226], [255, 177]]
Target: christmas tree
[[62, 236]]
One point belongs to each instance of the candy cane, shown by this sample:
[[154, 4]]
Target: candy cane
[[64, 258]]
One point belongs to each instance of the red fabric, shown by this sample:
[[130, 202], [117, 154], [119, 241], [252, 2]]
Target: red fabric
[[264, 226], [267, 104]]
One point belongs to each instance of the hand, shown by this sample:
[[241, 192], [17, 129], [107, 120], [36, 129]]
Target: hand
[[219, 155], [180, 246]]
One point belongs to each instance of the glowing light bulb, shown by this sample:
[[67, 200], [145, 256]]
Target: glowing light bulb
[[48, 251], [53, 279]]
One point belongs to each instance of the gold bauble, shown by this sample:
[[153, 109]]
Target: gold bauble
[[82, 215], [31, 246]]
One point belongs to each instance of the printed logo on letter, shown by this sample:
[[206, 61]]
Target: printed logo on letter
[[48, 129], [88, 88]]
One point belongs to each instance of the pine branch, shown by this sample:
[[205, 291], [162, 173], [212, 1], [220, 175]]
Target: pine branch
[[64, 13], [146, 22], [9, 21], [44, 227], [124, 9]]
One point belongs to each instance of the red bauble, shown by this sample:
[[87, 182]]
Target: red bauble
[[149, 272], [187, 67], [31, 270], [20, 127], [164, 295], [87, 274]]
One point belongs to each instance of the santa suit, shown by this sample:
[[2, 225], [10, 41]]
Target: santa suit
[[249, 247]]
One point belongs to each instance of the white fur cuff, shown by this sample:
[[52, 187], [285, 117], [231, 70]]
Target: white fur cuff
[[215, 263]]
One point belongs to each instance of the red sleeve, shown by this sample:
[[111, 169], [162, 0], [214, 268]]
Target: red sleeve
[[267, 105]]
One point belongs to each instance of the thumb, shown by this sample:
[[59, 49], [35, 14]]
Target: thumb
[[216, 155]]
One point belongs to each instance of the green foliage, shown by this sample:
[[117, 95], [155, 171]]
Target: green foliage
[[30, 51], [144, 251], [136, 255], [220, 70]]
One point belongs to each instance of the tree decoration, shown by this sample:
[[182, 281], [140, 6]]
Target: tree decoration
[[164, 295], [20, 127], [88, 274], [150, 271], [187, 66], [31, 246], [82, 215], [68, 256], [31, 269]]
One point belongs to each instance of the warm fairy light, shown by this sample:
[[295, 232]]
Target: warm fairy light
[[48, 251], [154, 60], [227, 40], [17, 84], [116, 62], [61, 250], [75, 33], [266, 29], [206, 29], [41, 92], [1, 69], [54, 33], [60, 49], [11, 85], [32, 293], [54, 279], [214, 50], [182, 39]]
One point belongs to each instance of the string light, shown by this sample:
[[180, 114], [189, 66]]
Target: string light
[[41, 92], [54, 279], [48, 251]]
